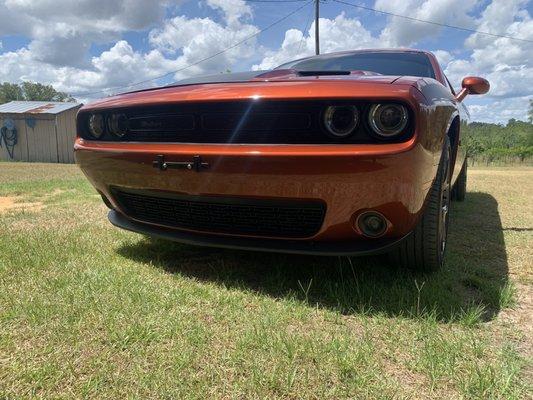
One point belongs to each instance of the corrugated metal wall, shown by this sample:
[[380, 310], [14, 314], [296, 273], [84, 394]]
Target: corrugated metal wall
[[51, 139], [66, 134]]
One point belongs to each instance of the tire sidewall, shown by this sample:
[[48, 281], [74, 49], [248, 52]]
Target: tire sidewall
[[444, 185]]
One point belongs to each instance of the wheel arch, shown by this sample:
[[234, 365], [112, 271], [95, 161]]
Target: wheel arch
[[453, 134]]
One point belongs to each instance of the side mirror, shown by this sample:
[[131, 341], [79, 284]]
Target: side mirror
[[473, 85]]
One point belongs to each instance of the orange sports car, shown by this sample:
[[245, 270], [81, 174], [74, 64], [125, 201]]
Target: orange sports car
[[349, 153]]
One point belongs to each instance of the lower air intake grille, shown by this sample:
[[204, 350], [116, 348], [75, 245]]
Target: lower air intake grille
[[294, 219]]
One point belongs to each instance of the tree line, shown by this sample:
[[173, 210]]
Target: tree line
[[31, 91], [510, 143], [489, 143]]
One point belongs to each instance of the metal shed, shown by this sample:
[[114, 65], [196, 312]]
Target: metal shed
[[42, 131]]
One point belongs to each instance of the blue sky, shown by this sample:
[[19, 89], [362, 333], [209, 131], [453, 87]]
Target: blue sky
[[265, 13], [92, 48]]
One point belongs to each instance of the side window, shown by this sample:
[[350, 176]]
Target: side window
[[449, 85]]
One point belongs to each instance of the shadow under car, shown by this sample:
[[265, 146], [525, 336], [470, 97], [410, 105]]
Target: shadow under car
[[475, 272]]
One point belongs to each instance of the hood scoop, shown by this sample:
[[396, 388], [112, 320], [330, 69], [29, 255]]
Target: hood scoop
[[293, 74], [322, 73]]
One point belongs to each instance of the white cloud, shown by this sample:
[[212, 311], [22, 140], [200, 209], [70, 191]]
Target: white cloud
[[337, 34], [506, 63], [63, 30], [199, 38], [499, 111], [82, 15], [234, 10], [405, 32], [59, 56]]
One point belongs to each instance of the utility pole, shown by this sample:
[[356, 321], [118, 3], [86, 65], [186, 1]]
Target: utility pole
[[317, 40]]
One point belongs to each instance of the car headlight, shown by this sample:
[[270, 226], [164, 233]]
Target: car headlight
[[117, 124], [96, 125], [341, 121], [388, 119]]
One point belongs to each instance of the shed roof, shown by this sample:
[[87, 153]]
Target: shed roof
[[36, 107]]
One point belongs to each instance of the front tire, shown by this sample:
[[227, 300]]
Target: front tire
[[424, 249]]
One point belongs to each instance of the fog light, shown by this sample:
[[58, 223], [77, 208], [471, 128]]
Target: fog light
[[372, 224]]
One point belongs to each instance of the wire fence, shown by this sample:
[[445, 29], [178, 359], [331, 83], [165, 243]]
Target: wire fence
[[489, 160]]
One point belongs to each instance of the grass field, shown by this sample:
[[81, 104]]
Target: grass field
[[89, 311]]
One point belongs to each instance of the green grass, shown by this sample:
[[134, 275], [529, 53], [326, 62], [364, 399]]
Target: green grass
[[87, 310]]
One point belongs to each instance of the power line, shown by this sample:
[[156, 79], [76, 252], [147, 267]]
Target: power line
[[431, 22], [274, 1], [199, 61], [307, 2], [305, 29]]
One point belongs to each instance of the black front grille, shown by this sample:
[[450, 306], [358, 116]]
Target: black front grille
[[238, 216], [243, 122]]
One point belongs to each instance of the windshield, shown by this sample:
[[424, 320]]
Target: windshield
[[393, 63]]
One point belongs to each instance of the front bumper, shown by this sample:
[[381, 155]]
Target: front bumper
[[341, 248], [392, 179]]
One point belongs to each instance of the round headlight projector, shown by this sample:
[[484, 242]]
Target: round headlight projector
[[341, 121], [117, 124], [96, 125], [388, 120]]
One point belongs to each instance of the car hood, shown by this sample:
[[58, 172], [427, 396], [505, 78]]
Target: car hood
[[284, 75], [275, 84]]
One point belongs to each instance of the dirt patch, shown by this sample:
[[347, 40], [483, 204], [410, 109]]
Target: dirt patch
[[6, 203], [522, 316], [520, 319], [56, 192], [14, 203]]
